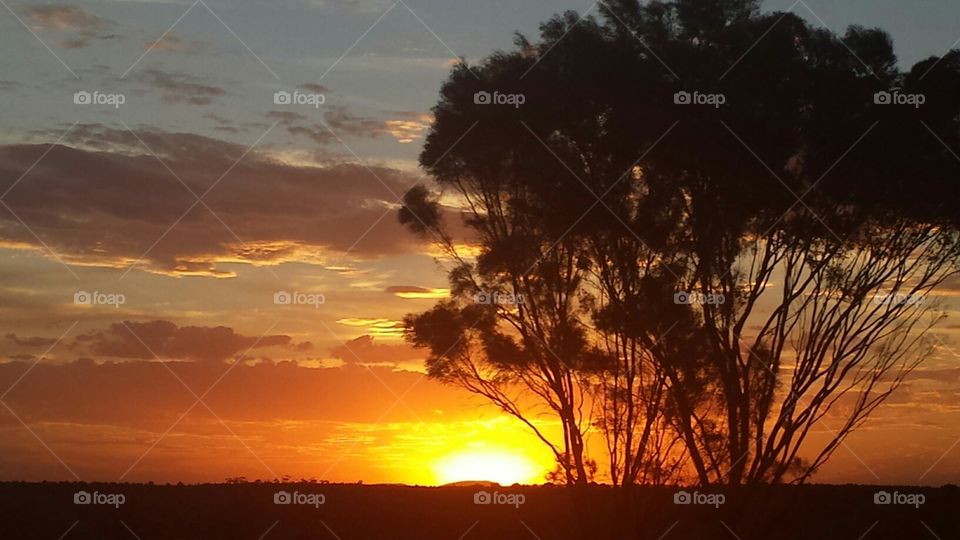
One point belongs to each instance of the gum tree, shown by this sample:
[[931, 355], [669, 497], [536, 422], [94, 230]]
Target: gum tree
[[701, 148]]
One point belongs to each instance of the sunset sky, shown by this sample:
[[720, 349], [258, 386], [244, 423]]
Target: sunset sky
[[199, 199]]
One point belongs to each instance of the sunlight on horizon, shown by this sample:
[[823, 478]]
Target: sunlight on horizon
[[494, 465]]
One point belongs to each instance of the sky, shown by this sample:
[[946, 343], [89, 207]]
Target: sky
[[188, 214]]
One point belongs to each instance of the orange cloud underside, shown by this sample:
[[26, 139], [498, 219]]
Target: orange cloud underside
[[431, 294]]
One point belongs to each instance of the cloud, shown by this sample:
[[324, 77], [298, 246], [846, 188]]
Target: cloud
[[285, 117], [30, 341], [343, 121], [949, 375], [363, 7], [380, 327], [61, 17], [143, 393], [143, 340], [171, 43], [410, 127], [413, 292], [315, 88], [79, 23], [225, 124], [364, 351], [180, 87], [133, 211], [405, 128]]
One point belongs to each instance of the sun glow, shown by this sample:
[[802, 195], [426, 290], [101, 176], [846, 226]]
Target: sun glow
[[501, 466]]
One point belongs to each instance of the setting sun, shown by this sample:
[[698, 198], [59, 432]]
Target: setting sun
[[500, 466], [421, 270]]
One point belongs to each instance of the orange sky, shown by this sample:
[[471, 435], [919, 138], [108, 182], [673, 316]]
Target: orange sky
[[200, 200]]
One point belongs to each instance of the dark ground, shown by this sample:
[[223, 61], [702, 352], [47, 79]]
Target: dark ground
[[220, 511]]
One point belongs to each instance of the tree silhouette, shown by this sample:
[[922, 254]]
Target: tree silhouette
[[695, 150]]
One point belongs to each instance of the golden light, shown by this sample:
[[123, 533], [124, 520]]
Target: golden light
[[423, 294], [500, 466]]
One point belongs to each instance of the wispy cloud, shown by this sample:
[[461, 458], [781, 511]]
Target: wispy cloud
[[180, 87], [171, 43], [80, 25]]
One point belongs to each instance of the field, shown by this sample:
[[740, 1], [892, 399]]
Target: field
[[320, 511]]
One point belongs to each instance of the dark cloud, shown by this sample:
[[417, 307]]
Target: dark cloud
[[363, 350], [30, 341], [143, 340], [226, 125], [320, 133], [285, 117], [218, 119], [315, 88], [395, 289], [180, 87], [344, 122], [144, 394], [112, 204], [316, 133]]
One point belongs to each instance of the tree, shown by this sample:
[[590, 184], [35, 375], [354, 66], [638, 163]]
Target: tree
[[720, 274], [512, 331], [835, 251]]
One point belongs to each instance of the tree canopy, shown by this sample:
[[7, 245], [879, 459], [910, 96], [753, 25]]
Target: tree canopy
[[717, 228]]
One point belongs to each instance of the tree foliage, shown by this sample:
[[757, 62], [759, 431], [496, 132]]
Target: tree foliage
[[816, 219]]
